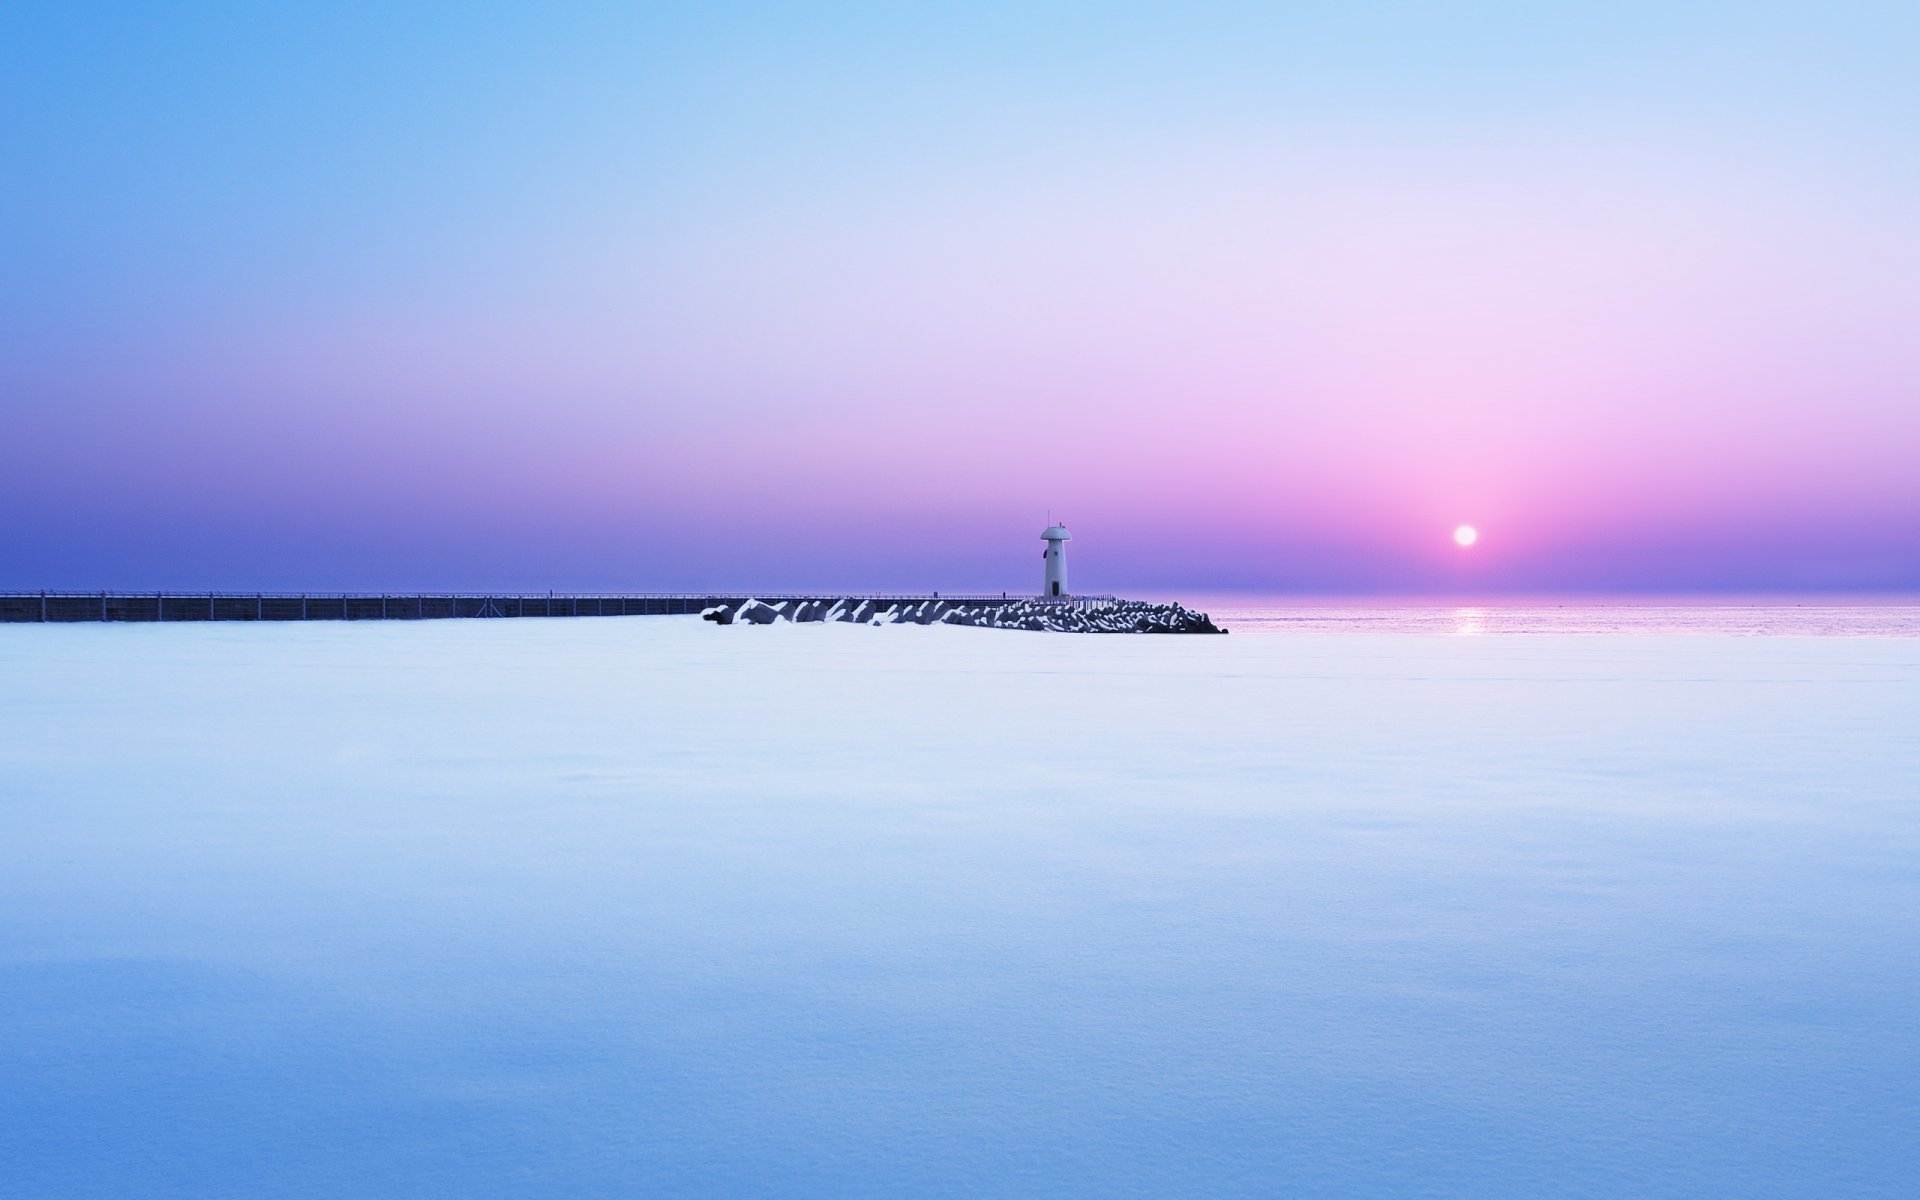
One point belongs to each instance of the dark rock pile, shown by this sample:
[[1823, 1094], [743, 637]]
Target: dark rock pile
[[1106, 616]]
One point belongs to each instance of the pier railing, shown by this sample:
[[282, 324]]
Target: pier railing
[[66, 606]]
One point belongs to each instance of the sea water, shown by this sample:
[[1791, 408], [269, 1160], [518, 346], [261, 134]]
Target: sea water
[[1715, 616], [1378, 906]]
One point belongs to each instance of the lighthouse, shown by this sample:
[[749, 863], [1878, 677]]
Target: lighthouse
[[1056, 538]]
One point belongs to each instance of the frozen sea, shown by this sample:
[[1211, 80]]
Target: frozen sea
[[1451, 902]]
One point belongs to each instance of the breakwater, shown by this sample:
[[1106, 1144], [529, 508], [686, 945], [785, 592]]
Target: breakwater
[[336, 606], [1076, 614], [1080, 614]]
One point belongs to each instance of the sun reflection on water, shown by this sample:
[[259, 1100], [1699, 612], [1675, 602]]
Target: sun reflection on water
[[1469, 622]]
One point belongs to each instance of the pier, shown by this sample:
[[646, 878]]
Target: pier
[[64, 606]]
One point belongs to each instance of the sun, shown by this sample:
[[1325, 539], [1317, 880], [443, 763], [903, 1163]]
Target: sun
[[1466, 535]]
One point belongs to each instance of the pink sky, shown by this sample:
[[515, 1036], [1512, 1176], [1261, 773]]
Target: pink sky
[[868, 330]]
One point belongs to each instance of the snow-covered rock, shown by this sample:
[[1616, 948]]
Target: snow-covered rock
[[1104, 616]]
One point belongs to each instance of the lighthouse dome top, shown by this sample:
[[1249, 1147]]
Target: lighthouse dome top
[[1056, 533]]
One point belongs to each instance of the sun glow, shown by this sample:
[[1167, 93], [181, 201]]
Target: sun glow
[[1466, 535]]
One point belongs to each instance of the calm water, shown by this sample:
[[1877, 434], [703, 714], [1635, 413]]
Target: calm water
[[656, 908], [1817, 617]]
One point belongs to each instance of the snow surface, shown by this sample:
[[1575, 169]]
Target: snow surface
[[650, 907]]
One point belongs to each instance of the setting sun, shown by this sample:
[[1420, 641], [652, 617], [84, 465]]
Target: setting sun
[[1466, 535]]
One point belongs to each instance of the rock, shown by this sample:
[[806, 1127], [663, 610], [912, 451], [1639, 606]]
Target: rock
[[757, 613], [1105, 616]]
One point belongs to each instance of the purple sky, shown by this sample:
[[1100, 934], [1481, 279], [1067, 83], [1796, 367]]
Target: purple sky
[[1253, 300]]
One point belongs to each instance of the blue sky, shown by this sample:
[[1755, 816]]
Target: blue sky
[[1259, 296]]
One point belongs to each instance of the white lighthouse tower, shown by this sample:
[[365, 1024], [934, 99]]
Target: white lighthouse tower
[[1056, 538]]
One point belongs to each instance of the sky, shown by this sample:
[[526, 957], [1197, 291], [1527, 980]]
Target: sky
[[1258, 297]]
